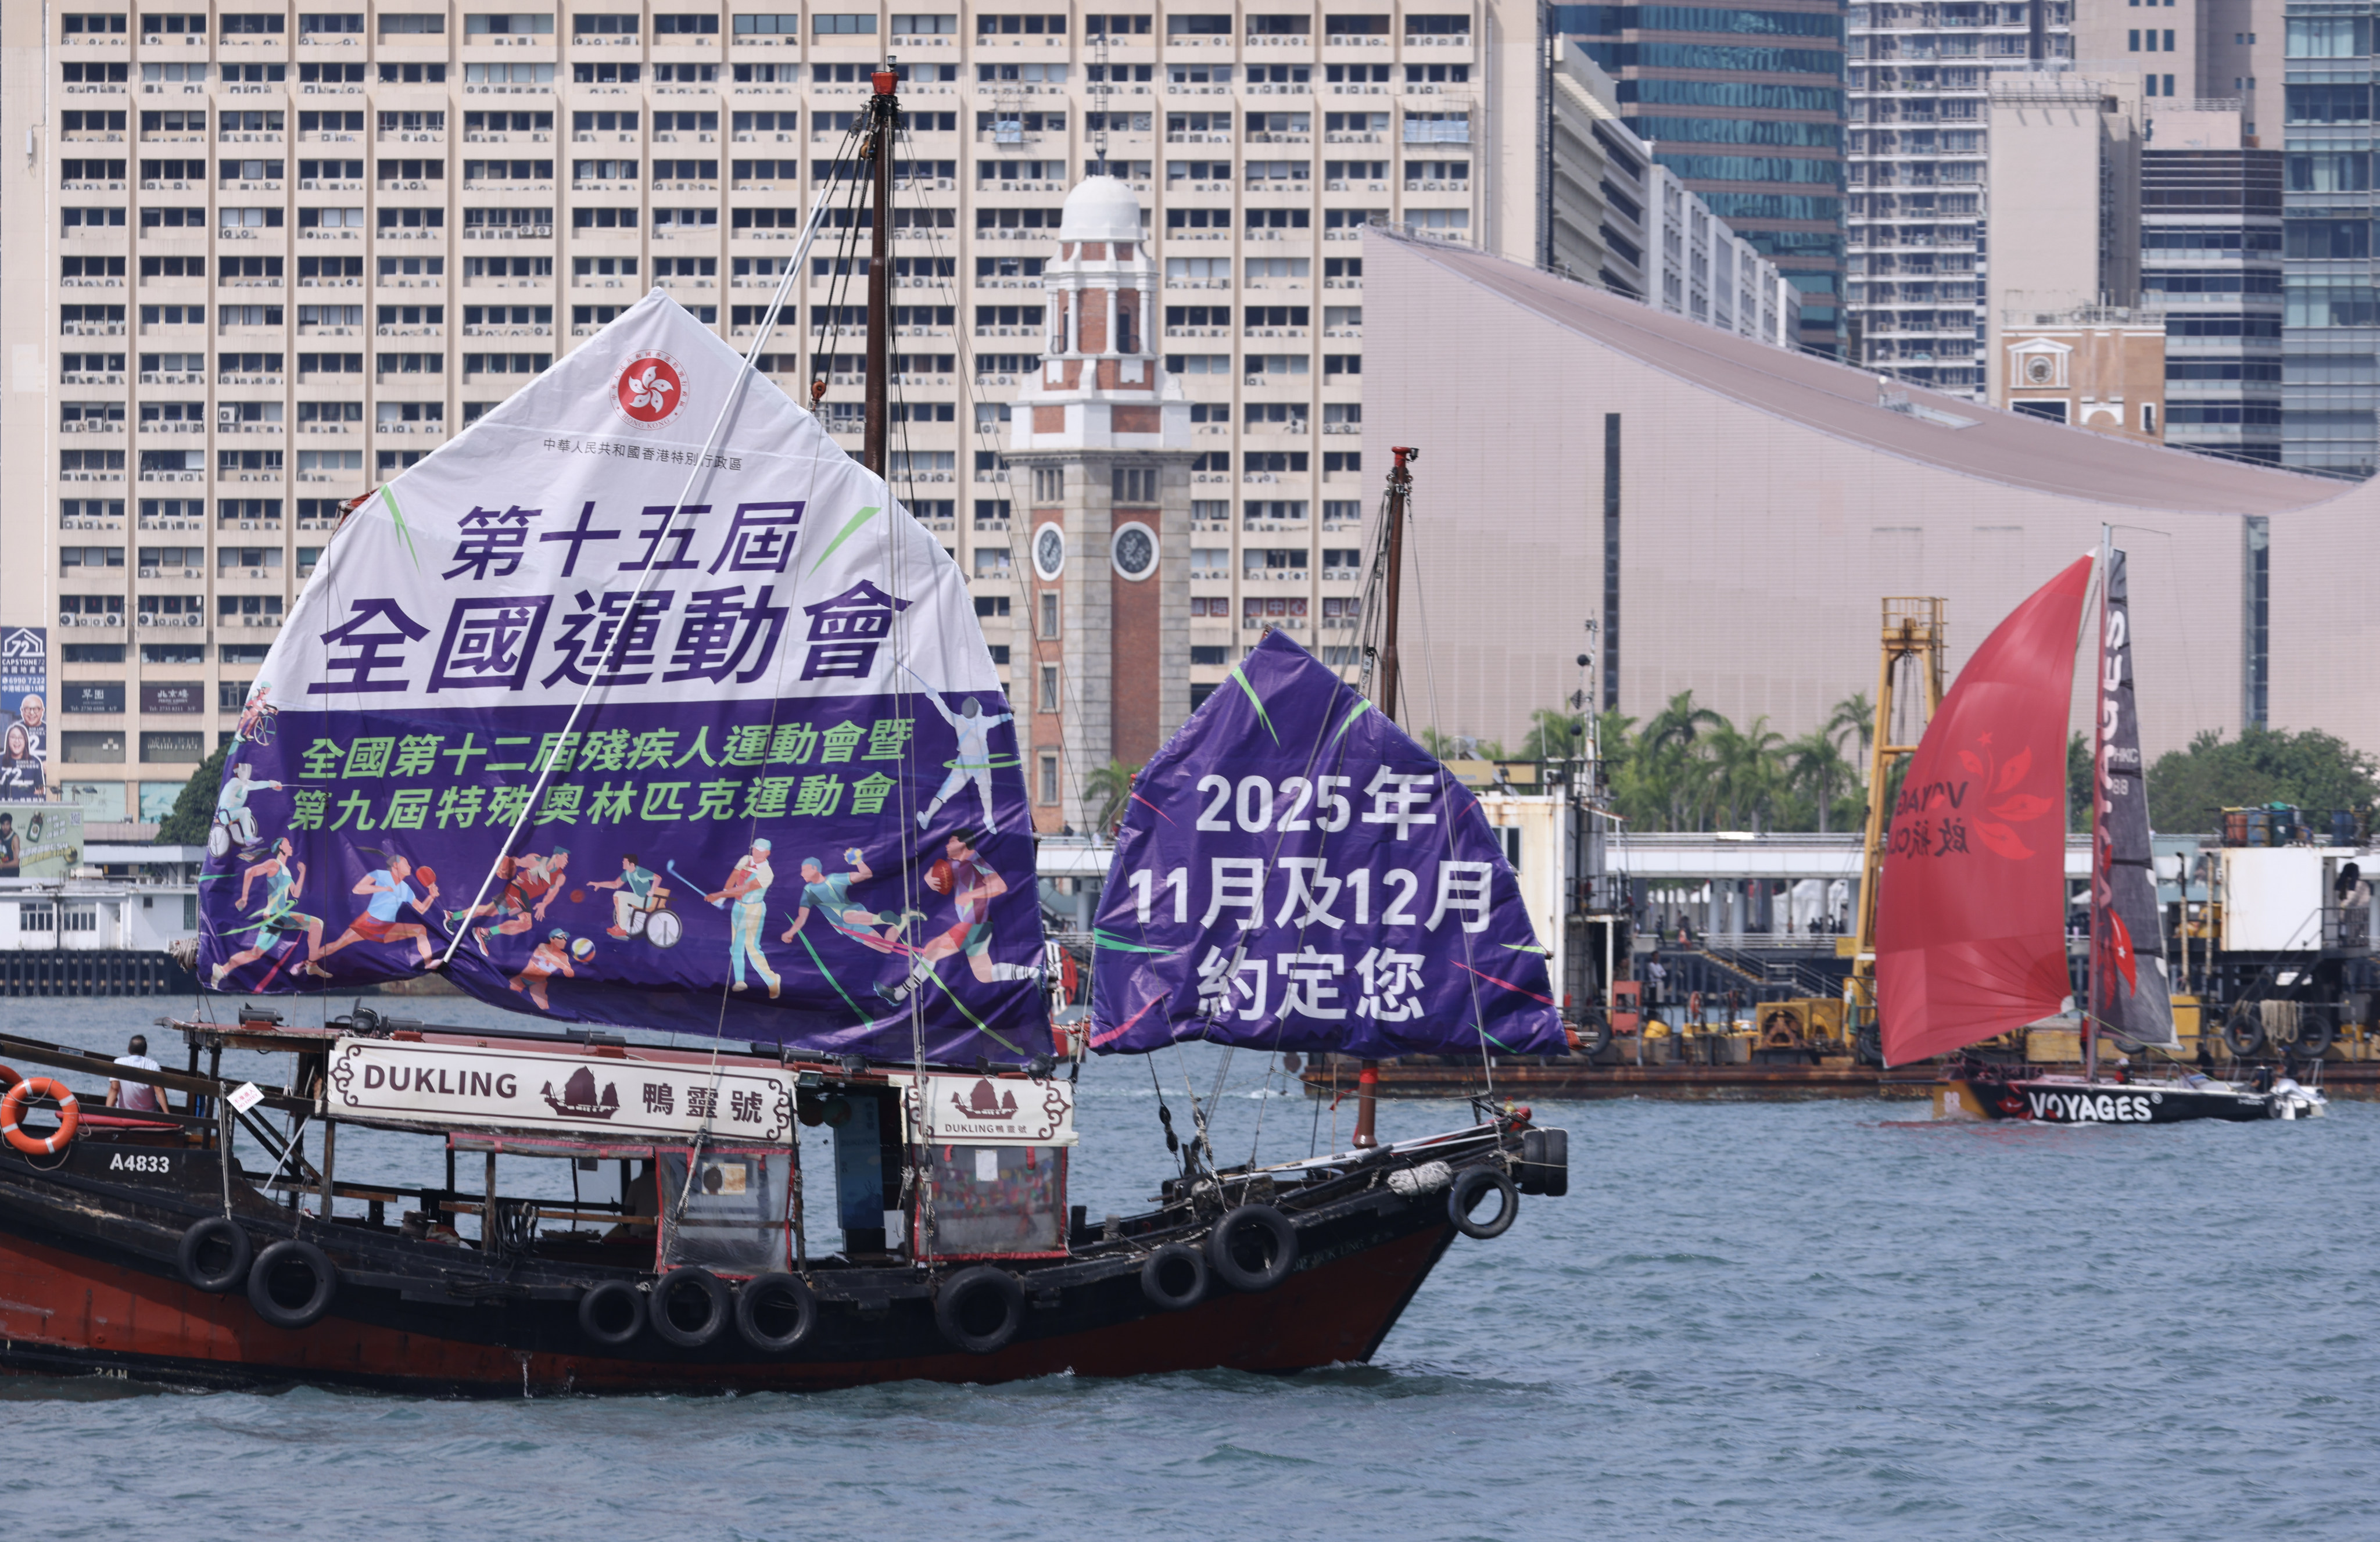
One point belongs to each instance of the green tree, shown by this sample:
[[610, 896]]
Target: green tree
[[1815, 769], [1110, 787], [2190, 788], [1554, 734], [193, 813], [2078, 784]]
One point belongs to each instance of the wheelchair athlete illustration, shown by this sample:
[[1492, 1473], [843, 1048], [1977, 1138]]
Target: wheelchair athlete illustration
[[234, 823], [642, 907]]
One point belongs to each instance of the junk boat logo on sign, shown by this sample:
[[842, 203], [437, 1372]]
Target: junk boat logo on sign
[[980, 1111], [651, 389], [2086, 1108], [578, 1099]]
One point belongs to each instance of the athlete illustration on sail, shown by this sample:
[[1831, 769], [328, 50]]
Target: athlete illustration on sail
[[546, 960], [964, 874], [234, 824], [280, 920], [972, 761], [389, 886], [531, 884], [744, 896], [846, 917]]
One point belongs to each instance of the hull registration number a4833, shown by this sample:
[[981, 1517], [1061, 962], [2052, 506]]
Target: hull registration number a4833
[[133, 1162]]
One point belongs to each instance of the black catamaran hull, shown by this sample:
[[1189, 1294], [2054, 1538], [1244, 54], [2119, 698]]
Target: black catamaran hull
[[90, 1284], [2068, 1101]]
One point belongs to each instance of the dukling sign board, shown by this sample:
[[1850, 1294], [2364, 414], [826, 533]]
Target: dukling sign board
[[499, 1088]]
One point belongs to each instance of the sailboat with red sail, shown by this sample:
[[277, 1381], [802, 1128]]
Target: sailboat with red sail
[[1971, 928]]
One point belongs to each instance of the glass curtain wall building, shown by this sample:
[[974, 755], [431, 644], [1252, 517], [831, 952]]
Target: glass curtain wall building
[[1918, 81], [2330, 388], [1747, 106], [2211, 260]]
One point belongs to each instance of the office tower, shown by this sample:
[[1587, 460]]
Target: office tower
[[1746, 107]]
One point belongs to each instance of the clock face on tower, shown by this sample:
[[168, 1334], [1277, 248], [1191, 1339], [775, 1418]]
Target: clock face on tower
[[1134, 550], [1049, 553]]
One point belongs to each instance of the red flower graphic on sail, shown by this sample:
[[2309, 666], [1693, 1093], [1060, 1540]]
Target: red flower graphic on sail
[[649, 389], [2016, 808]]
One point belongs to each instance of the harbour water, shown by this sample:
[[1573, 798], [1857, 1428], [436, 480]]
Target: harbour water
[[1822, 1320]]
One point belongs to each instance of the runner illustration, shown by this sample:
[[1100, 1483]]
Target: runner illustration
[[745, 895], [390, 889], [844, 916], [235, 823], [280, 920], [972, 761], [548, 957], [969, 880], [638, 909], [531, 884]]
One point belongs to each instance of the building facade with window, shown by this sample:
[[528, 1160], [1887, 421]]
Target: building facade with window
[[1747, 107], [267, 257], [2211, 260]]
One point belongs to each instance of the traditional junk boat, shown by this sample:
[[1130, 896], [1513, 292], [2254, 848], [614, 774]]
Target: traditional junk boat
[[1971, 928], [562, 712]]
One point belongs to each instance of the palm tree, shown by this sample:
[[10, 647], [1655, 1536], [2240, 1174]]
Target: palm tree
[[1743, 767], [1853, 714], [1813, 766], [1111, 785]]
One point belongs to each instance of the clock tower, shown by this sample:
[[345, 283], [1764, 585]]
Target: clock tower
[[1099, 455]]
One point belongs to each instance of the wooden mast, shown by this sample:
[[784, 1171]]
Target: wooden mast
[[1393, 557], [883, 117]]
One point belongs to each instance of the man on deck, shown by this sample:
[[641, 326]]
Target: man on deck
[[972, 761], [136, 1097]]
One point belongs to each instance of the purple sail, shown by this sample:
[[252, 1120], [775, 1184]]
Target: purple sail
[[1296, 873]]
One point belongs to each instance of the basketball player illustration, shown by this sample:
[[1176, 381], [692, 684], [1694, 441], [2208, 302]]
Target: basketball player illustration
[[971, 883]]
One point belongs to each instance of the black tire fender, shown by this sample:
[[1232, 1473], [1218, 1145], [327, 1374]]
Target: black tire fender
[[1552, 1163], [670, 1290], [612, 1314], [775, 1313], [1594, 1036], [2244, 1034], [1528, 1168], [1174, 1277], [961, 1303], [1470, 1185], [1246, 1229], [214, 1256], [273, 1266], [2316, 1032]]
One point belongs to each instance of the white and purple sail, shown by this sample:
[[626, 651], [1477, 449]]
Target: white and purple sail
[[619, 720], [1294, 872]]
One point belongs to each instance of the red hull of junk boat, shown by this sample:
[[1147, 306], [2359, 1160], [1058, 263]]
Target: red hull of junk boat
[[149, 1248]]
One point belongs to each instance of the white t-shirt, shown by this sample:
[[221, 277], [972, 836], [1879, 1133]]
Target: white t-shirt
[[141, 1095]]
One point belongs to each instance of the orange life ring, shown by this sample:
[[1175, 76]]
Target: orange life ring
[[12, 1109]]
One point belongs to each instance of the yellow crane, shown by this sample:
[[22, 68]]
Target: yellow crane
[[1911, 663]]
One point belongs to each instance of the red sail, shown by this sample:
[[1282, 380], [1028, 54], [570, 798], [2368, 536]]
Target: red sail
[[1971, 917]]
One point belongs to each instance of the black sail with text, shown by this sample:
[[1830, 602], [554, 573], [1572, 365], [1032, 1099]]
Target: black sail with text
[[2129, 999]]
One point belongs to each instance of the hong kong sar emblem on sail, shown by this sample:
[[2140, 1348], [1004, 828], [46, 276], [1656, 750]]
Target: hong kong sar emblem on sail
[[649, 389]]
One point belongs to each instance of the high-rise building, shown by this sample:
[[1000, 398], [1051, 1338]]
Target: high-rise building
[[1746, 107], [2211, 260], [1919, 87], [2330, 390], [1621, 218], [263, 259]]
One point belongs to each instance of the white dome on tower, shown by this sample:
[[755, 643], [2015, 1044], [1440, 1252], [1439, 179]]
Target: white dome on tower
[[1102, 209]]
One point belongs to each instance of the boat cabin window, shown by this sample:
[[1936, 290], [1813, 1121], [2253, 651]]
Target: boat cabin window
[[1003, 1201], [735, 1218]]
